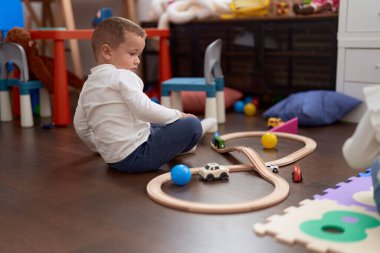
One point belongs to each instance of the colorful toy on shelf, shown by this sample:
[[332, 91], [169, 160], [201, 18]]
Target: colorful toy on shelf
[[297, 174], [180, 174], [282, 7], [315, 6], [214, 171], [269, 140], [244, 8]]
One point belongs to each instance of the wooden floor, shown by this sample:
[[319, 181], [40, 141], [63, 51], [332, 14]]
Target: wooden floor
[[56, 196]]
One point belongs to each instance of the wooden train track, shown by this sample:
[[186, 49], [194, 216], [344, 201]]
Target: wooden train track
[[279, 193]]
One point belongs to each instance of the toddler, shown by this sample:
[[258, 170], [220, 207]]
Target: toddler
[[115, 118]]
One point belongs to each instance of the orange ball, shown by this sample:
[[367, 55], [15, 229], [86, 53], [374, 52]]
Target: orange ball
[[269, 140]]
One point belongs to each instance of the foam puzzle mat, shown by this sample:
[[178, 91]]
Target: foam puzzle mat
[[341, 219]]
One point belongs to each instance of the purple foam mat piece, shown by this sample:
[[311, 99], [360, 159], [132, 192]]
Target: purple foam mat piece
[[344, 191]]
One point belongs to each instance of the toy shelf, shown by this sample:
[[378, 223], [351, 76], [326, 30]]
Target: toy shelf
[[265, 55]]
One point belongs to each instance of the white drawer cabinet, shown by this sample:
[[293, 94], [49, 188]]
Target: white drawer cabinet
[[362, 65], [363, 15], [358, 50]]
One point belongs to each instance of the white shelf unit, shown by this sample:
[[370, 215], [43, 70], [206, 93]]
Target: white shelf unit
[[358, 50]]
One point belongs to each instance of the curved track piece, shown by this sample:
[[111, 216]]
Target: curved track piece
[[281, 187]]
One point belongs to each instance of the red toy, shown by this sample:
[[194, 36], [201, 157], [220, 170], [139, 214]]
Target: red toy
[[297, 174]]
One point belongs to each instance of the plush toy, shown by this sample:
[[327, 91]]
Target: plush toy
[[40, 67], [183, 11], [315, 6]]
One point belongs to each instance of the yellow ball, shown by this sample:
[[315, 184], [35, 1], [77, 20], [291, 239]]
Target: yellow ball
[[249, 109], [269, 140]]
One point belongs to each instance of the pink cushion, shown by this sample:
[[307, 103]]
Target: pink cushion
[[194, 101]]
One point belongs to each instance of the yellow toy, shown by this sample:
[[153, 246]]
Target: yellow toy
[[269, 140], [282, 7], [274, 122], [248, 8], [250, 109]]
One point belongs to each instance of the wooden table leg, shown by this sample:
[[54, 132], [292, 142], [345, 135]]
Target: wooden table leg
[[70, 24], [61, 109], [131, 10]]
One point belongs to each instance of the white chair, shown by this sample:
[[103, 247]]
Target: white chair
[[212, 83], [14, 53]]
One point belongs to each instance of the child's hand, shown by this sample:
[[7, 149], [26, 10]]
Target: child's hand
[[186, 115]]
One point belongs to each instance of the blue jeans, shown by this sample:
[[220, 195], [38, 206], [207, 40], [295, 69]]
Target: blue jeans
[[163, 144]]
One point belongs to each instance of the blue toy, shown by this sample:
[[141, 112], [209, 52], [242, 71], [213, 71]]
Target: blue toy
[[248, 99], [180, 174], [239, 106], [101, 14]]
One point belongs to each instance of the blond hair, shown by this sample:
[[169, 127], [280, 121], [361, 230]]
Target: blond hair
[[111, 31]]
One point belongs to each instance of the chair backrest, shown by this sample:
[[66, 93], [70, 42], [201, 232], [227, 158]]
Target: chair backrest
[[212, 68], [3, 72], [14, 53]]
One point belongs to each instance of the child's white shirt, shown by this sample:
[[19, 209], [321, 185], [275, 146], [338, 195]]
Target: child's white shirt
[[113, 114]]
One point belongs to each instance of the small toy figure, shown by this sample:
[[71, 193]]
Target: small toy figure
[[297, 174], [274, 122], [316, 6], [214, 171]]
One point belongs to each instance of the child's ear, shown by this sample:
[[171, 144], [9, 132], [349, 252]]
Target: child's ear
[[106, 52]]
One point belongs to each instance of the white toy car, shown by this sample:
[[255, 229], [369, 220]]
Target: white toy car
[[214, 171], [272, 167]]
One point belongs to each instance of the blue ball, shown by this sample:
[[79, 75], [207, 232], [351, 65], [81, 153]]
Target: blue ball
[[248, 99], [239, 106], [180, 174]]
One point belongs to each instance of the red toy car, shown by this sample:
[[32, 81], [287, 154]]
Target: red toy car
[[297, 174]]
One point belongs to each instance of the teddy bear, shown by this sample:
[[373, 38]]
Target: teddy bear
[[40, 67]]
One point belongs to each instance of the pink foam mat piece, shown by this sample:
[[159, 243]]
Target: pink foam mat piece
[[290, 126]]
